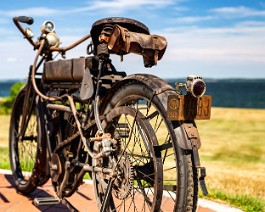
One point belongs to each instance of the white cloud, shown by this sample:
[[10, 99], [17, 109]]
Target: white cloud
[[121, 6], [240, 11], [129, 4], [111, 6], [12, 59], [193, 19], [251, 24], [235, 44], [34, 11]]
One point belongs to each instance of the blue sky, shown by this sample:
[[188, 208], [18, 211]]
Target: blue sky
[[211, 38]]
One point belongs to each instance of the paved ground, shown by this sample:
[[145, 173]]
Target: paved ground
[[83, 199]]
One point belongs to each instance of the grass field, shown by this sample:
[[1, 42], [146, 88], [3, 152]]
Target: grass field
[[232, 151]]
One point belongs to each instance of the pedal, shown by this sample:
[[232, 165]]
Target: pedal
[[46, 201], [202, 175]]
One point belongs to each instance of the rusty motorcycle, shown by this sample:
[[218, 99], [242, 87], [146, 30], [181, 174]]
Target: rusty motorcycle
[[135, 135]]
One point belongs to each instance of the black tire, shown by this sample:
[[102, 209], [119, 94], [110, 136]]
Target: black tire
[[138, 184], [23, 149], [180, 181]]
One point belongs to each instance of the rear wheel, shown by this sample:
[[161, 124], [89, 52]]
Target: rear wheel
[[180, 183], [23, 145], [137, 185]]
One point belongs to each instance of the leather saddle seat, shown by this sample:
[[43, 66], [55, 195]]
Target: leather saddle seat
[[130, 24]]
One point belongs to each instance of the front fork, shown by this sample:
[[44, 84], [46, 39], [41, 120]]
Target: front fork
[[193, 135]]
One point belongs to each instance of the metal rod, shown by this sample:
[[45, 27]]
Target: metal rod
[[96, 102], [83, 138], [59, 107], [64, 49], [33, 80]]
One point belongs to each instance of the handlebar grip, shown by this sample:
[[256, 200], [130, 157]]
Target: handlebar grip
[[25, 19]]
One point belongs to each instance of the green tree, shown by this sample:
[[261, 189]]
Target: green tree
[[6, 104]]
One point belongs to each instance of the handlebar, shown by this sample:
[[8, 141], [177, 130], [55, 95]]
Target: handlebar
[[24, 19], [29, 20], [64, 49]]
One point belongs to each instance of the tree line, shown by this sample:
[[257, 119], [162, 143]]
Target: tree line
[[7, 102]]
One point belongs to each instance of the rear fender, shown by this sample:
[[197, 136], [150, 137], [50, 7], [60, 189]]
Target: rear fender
[[161, 89]]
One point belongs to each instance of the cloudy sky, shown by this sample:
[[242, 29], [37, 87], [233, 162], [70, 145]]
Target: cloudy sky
[[212, 38]]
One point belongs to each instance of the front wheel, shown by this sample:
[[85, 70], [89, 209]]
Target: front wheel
[[23, 144]]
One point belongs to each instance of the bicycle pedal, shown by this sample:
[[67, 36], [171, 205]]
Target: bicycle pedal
[[46, 201]]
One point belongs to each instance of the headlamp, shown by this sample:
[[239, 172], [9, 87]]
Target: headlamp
[[196, 86]]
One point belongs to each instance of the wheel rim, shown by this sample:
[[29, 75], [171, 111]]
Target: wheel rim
[[24, 147], [137, 157], [170, 177], [147, 106]]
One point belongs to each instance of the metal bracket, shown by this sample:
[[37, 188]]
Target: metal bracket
[[202, 175], [193, 134]]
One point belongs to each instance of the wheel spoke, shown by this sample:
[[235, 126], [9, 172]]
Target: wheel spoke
[[135, 163]]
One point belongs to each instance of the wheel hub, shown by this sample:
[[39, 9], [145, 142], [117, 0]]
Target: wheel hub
[[123, 183]]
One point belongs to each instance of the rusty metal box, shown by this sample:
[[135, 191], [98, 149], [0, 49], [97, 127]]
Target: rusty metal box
[[71, 70]]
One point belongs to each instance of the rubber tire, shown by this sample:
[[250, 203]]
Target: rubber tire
[[24, 186]]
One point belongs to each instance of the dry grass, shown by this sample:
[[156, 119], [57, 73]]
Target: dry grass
[[233, 151], [4, 127]]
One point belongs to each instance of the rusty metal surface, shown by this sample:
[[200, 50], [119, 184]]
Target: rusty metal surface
[[192, 134], [186, 107], [123, 41], [71, 70], [130, 24]]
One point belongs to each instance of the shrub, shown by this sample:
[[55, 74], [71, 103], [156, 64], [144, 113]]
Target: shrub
[[6, 104]]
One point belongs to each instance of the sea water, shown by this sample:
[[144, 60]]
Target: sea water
[[226, 93]]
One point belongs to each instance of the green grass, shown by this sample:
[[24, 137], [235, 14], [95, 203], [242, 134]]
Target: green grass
[[4, 160], [244, 202]]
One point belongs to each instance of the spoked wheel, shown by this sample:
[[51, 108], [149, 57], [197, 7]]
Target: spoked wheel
[[23, 145], [137, 182], [180, 183]]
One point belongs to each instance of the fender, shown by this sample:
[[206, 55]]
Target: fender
[[161, 89]]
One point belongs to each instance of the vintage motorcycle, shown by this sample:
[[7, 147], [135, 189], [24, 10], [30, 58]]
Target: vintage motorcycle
[[134, 135]]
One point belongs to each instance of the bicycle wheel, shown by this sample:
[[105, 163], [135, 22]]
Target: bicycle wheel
[[180, 183], [23, 148], [137, 185]]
